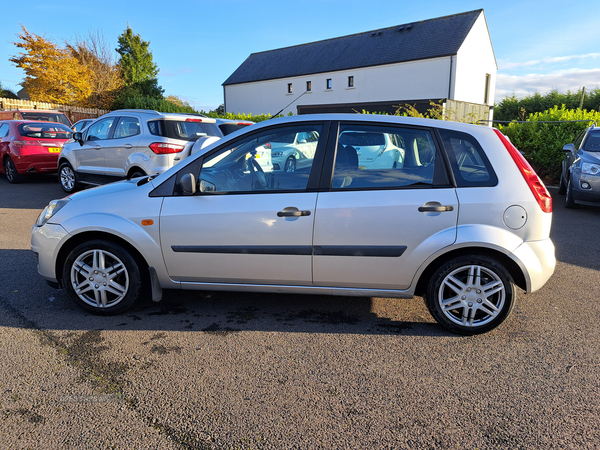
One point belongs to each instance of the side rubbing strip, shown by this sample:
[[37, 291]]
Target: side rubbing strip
[[247, 250], [360, 250]]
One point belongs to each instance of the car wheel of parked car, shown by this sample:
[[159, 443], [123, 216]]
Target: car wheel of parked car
[[562, 187], [471, 294], [102, 277], [67, 178], [290, 164], [569, 202], [137, 174], [11, 171]]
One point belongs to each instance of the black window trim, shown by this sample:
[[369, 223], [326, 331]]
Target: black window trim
[[112, 130]]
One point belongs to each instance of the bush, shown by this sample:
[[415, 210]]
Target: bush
[[542, 143]]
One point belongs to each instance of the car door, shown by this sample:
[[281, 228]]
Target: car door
[[90, 157], [243, 225], [119, 148], [375, 227]]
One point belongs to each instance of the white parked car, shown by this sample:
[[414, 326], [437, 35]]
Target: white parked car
[[463, 221], [293, 151], [375, 150]]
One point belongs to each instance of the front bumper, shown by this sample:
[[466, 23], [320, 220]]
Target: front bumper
[[45, 243]]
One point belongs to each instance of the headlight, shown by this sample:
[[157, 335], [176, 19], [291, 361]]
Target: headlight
[[53, 207], [592, 169], [276, 154]]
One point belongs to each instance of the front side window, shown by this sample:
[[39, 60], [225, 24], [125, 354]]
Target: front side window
[[383, 157], [100, 130], [126, 127], [274, 160]]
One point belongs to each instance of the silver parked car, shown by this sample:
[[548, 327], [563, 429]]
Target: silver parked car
[[130, 143], [580, 175], [463, 221]]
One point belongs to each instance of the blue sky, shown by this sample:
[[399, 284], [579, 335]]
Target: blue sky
[[539, 45]]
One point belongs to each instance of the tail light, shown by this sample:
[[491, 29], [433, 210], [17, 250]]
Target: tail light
[[193, 120], [267, 145], [162, 148], [533, 181], [27, 143]]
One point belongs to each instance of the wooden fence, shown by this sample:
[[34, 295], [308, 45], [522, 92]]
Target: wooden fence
[[74, 113]]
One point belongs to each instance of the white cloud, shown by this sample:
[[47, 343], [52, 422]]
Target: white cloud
[[561, 80], [552, 60]]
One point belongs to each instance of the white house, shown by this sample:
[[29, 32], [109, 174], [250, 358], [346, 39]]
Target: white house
[[449, 60]]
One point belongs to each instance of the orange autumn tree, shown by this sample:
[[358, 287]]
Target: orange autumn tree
[[52, 74]]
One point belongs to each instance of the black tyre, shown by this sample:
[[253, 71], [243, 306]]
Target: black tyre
[[137, 174], [562, 186], [67, 178], [569, 202], [471, 294], [11, 171], [290, 164], [102, 277]]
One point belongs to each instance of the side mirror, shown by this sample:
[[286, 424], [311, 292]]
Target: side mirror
[[188, 184], [569, 148], [78, 136]]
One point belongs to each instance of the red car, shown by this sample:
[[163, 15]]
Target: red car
[[30, 147]]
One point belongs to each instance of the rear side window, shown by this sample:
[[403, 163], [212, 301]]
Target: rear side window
[[126, 127], [469, 163], [183, 130]]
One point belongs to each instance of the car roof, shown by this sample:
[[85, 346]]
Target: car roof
[[158, 114]]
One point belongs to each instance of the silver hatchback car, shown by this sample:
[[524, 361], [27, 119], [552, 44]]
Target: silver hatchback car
[[464, 221]]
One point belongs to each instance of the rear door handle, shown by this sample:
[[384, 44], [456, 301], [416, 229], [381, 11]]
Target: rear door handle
[[292, 211], [128, 146], [439, 208]]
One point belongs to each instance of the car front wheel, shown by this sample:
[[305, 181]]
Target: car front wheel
[[67, 178], [569, 202], [102, 277], [290, 164], [471, 294]]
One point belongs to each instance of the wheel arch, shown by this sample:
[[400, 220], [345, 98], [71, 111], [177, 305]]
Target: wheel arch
[[511, 266], [93, 235]]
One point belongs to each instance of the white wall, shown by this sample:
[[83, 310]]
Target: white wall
[[474, 60], [427, 79]]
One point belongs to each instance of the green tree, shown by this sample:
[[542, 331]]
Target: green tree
[[138, 69]]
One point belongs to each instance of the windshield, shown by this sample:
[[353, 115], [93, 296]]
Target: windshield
[[44, 130], [46, 117], [592, 143]]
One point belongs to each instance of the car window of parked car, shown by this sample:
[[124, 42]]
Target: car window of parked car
[[188, 130], [592, 142], [248, 165], [126, 127], [579, 139], [4, 130], [100, 130], [44, 130], [383, 157], [468, 160]]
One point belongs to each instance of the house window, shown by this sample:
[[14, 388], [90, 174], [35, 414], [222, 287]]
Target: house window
[[486, 95], [328, 84], [308, 86], [350, 81], [289, 88]]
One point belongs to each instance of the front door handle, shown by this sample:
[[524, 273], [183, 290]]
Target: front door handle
[[435, 208], [292, 211], [128, 146]]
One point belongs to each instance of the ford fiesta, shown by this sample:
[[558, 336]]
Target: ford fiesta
[[463, 221]]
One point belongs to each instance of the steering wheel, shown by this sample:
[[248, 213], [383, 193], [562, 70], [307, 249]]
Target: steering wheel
[[258, 173]]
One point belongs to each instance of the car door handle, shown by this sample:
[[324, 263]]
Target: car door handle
[[291, 211], [97, 147], [128, 146], [432, 208]]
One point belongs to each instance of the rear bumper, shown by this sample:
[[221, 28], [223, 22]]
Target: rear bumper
[[537, 260], [45, 163]]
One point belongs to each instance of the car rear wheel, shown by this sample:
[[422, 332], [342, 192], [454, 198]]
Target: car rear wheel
[[67, 178], [102, 277], [137, 174], [569, 202], [11, 171], [471, 294]]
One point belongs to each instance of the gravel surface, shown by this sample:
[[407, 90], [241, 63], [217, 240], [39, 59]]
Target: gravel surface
[[206, 370]]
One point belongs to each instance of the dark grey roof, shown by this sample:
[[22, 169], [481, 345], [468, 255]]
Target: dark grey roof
[[409, 42]]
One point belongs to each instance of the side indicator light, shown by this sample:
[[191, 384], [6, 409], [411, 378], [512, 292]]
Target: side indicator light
[[147, 222]]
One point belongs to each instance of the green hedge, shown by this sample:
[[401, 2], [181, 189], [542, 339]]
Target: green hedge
[[542, 143]]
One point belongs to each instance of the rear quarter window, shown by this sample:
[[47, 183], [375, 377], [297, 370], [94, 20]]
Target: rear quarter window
[[470, 165]]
